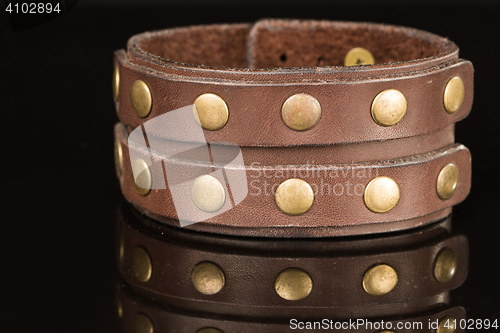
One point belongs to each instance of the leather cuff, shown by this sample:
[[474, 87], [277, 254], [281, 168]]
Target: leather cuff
[[288, 128], [398, 274]]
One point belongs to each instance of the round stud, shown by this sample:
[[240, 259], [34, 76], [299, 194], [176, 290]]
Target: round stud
[[141, 264], [293, 284], [445, 265], [210, 112], [208, 278], [294, 196], [380, 280], [140, 98], [209, 330], [142, 324], [381, 194], [384, 332], [454, 93], [389, 107], [447, 181], [118, 157], [301, 112], [446, 325], [116, 82], [207, 193], [141, 176], [358, 56]]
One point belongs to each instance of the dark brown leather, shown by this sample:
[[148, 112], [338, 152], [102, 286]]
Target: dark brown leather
[[333, 212], [251, 265], [168, 320], [241, 63]]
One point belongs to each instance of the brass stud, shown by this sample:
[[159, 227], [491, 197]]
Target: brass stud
[[389, 107], [210, 112], [208, 278], [446, 325], [358, 56], [209, 330], [454, 93], [385, 332], [141, 264], [447, 181], [381, 194], [118, 157], [141, 176], [301, 112], [293, 284], [140, 98], [116, 82], [142, 324], [207, 193], [445, 265], [294, 196], [380, 280]]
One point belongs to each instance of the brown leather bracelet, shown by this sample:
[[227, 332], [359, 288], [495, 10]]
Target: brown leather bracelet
[[279, 278], [254, 203], [139, 315], [273, 99], [224, 71]]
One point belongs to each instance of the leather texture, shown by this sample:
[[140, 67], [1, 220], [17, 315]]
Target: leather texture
[[251, 265], [168, 320], [254, 68], [338, 208], [178, 65]]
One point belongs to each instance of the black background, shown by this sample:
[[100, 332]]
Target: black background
[[59, 189]]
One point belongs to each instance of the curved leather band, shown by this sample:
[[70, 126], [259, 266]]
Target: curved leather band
[[338, 208], [251, 265], [132, 310], [241, 64]]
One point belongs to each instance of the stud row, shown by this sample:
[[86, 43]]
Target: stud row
[[299, 112], [294, 284]]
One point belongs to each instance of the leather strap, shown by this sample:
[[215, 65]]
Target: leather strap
[[251, 265], [235, 61], [134, 311], [338, 208]]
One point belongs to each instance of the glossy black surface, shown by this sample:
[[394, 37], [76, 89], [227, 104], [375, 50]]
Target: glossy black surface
[[60, 192]]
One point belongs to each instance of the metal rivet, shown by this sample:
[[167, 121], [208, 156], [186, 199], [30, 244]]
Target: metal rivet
[[142, 324], [381, 194], [293, 284], [207, 193], [210, 112], [384, 332], [209, 330], [445, 265], [141, 264], [446, 325], [301, 112], [140, 98], [389, 107], [358, 56], [294, 196], [447, 181], [118, 157], [141, 176], [208, 278], [454, 93], [116, 82], [380, 280]]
